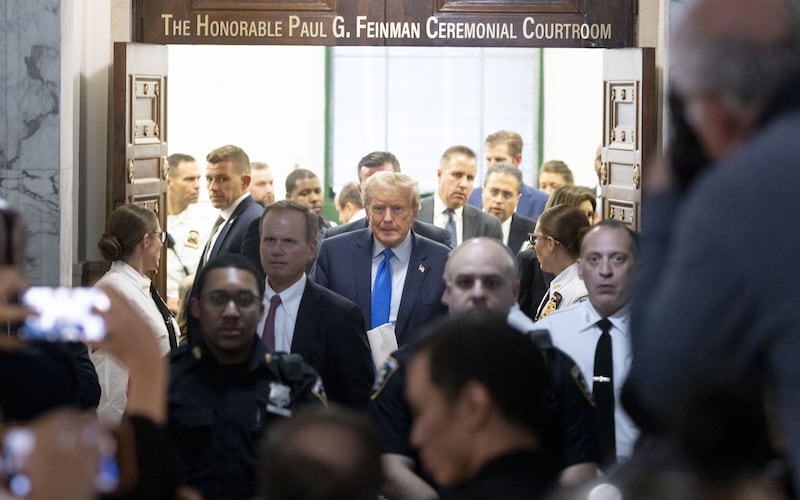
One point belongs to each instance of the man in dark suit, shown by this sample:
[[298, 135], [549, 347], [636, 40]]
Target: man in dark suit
[[228, 176], [447, 208], [304, 318], [506, 147], [501, 192], [411, 264], [384, 161]]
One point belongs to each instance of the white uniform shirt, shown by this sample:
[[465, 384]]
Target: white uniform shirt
[[190, 230], [113, 377], [569, 286], [574, 331]]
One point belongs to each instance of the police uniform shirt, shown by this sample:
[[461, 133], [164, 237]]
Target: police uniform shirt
[[217, 413], [190, 230], [574, 331], [566, 289], [570, 425], [285, 314], [399, 265], [516, 475]]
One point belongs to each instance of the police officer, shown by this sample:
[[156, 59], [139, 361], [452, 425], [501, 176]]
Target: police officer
[[226, 388], [481, 275]]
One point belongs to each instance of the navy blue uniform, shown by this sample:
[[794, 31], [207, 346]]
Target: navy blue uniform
[[218, 413], [568, 436]]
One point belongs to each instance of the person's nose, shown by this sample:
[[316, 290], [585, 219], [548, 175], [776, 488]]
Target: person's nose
[[387, 216], [606, 269], [230, 310]]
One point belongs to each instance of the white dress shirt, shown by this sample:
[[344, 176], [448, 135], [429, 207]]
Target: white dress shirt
[[285, 315], [569, 285], [399, 266], [111, 374], [226, 217], [574, 330], [440, 218]]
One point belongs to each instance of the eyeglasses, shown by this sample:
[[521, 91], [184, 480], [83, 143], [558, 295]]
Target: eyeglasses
[[533, 237], [161, 235], [243, 299]]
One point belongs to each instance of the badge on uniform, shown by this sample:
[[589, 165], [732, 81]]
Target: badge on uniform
[[384, 374], [192, 239], [280, 399]]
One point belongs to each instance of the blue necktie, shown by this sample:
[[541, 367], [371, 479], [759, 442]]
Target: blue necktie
[[451, 227], [382, 290]]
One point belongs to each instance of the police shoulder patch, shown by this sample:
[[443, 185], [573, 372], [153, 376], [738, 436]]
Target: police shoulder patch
[[577, 376], [384, 374]]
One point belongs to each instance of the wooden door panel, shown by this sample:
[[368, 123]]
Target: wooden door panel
[[138, 170], [629, 131]]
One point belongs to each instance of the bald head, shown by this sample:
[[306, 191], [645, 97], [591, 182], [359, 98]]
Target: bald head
[[481, 274]]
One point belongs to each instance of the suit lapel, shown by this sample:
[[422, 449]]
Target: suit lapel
[[415, 277], [306, 319], [363, 274], [226, 229], [470, 217]]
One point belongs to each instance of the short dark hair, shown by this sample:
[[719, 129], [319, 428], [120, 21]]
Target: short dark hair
[[504, 169], [174, 160], [615, 224], [312, 220], [378, 159], [258, 165], [297, 175], [350, 193], [482, 347], [227, 260], [233, 154], [294, 467]]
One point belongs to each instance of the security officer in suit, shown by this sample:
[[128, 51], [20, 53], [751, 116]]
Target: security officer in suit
[[481, 275], [225, 389]]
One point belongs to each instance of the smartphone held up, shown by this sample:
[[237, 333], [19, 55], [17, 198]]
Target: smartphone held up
[[64, 314]]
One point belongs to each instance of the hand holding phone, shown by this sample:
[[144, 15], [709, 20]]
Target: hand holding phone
[[64, 314]]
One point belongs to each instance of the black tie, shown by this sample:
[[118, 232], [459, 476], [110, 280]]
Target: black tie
[[207, 248], [166, 314], [603, 392]]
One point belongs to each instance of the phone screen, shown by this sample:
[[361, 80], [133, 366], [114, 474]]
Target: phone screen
[[64, 314]]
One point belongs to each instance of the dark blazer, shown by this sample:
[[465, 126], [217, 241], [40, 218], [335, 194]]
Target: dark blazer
[[430, 231], [521, 227], [531, 202], [329, 333], [251, 244], [232, 235], [476, 223], [344, 265], [533, 282]]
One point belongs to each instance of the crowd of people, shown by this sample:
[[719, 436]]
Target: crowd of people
[[491, 341]]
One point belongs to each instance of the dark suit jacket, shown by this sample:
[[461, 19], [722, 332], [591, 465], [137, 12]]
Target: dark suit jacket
[[232, 235], [521, 227], [430, 231], [476, 223], [344, 265], [531, 202], [330, 335], [533, 282]]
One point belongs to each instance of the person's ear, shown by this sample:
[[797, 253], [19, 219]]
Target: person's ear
[[194, 307], [475, 404], [246, 181]]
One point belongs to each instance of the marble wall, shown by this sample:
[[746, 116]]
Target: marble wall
[[30, 59]]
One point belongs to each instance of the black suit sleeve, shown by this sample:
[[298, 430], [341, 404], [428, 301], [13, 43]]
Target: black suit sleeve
[[88, 384], [354, 360], [533, 282], [251, 244]]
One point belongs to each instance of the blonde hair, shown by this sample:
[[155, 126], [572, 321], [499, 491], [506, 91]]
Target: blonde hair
[[394, 182]]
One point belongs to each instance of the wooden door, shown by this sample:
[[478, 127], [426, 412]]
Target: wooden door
[[629, 131], [138, 170]]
